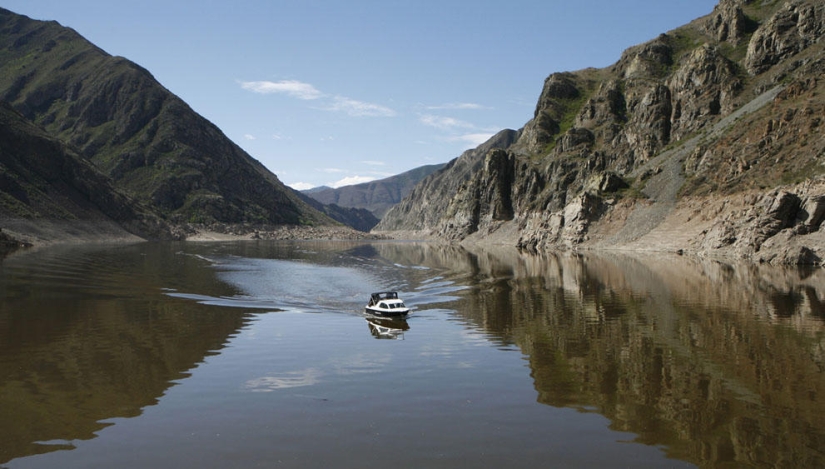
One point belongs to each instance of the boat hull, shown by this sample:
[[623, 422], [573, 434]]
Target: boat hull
[[395, 313]]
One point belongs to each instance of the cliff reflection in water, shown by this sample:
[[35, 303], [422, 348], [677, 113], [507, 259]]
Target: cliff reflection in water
[[86, 336], [719, 363]]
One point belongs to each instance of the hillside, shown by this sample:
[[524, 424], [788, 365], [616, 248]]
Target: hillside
[[151, 144], [375, 196], [40, 178], [706, 139]]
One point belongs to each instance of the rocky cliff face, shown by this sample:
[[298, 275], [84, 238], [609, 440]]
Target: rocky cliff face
[[432, 196], [728, 107], [149, 142]]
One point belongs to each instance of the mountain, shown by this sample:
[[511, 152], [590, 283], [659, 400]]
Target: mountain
[[41, 178], [375, 196], [315, 189], [430, 199], [706, 139], [357, 218], [152, 145]]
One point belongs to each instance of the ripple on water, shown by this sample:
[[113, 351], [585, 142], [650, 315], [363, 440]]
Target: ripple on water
[[302, 286]]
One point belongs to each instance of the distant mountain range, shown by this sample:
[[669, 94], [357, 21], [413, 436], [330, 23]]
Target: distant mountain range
[[375, 196]]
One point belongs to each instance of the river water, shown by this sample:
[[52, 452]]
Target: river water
[[259, 354]]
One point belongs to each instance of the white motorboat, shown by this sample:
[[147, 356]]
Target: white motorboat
[[387, 304]]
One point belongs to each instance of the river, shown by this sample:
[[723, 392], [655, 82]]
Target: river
[[259, 354]]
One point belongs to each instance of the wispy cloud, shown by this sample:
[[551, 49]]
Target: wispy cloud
[[457, 106], [249, 136], [444, 123], [473, 140], [357, 108], [307, 92], [351, 180], [301, 186], [293, 88], [374, 163]]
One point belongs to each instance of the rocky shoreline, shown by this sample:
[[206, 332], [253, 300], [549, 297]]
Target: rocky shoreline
[[25, 233], [244, 231]]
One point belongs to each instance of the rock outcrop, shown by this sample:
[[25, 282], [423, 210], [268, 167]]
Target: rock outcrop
[[433, 195], [793, 28], [725, 110]]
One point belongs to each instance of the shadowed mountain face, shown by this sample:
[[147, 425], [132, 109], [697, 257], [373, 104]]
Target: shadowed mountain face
[[707, 138], [40, 177], [150, 143]]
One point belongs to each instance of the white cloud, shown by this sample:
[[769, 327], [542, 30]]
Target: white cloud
[[249, 136], [374, 163], [293, 88], [305, 91], [333, 170], [444, 123], [301, 186], [460, 106], [351, 180], [359, 108], [473, 140]]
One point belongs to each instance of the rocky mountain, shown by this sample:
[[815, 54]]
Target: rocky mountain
[[706, 139], [431, 199], [375, 196], [152, 145]]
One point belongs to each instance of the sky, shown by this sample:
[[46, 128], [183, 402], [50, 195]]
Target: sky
[[326, 92]]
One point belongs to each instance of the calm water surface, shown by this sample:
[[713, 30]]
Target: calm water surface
[[258, 354]]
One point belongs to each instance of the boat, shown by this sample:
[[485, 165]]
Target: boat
[[387, 303]]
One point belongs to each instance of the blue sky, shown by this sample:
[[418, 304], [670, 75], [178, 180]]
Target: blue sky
[[341, 92]]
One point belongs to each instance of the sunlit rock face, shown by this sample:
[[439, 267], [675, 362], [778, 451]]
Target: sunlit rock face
[[719, 113]]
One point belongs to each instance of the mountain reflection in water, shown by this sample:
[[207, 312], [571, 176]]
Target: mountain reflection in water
[[711, 363], [717, 362]]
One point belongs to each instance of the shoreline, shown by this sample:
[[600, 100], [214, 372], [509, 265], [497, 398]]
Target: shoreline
[[27, 233], [786, 248]]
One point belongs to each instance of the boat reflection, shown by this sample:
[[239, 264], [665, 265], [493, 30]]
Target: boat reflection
[[387, 328]]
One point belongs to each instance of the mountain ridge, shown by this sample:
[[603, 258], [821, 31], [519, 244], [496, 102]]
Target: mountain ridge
[[376, 196], [152, 145]]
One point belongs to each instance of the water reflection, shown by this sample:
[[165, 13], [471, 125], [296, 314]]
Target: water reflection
[[716, 363], [387, 328], [719, 363], [86, 335]]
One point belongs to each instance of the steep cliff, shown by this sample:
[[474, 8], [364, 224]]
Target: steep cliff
[[723, 112], [150, 143], [432, 196]]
